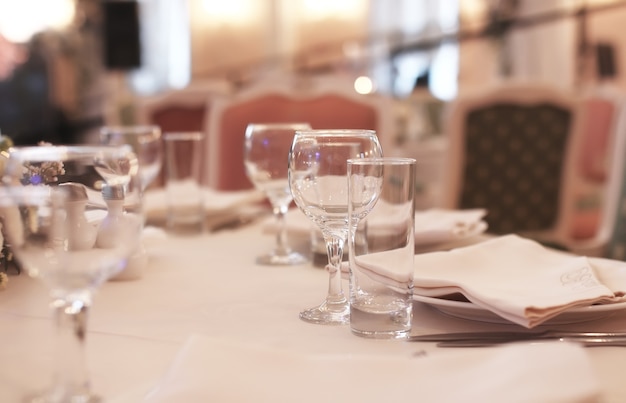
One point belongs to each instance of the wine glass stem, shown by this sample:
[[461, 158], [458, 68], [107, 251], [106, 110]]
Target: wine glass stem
[[334, 247], [70, 377], [282, 247]]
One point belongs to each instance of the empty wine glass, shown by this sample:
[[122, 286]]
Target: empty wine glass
[[266, 154], [318, 178], [72, 217], [145, 141]]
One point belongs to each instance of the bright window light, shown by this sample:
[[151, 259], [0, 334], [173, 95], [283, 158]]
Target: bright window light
[[322, 9], [237, 12], [20, 20], [409, 67], [444, 72]]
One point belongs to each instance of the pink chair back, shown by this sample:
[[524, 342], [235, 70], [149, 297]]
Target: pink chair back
[[177, 111], [597, 129], [322, 110], [602, 111]]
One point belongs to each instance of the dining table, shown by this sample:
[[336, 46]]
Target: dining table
[[206, 289]]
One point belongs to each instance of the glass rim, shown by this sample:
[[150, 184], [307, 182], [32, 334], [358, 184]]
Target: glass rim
[[335, 132], [382, 161], [45, 151], [181, 135], [132, 129], [281, 125]]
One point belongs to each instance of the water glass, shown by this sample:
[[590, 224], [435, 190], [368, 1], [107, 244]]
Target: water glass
[[266, 154], [183, 163], [145, 141], [382, 248]]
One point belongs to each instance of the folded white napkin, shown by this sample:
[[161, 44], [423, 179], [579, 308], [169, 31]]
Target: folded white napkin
[[220, 206], [432, 226], [519, 279], [440, 225], [209, 370]]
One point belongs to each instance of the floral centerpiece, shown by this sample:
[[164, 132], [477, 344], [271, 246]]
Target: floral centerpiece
[[45, 173], [5, 254]]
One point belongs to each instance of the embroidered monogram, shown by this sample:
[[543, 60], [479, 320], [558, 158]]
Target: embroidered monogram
[[580, 279]]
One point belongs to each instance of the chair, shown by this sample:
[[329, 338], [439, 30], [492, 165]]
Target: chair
[[602, 117], [185, 110], [324, 105], [610, 239], [513, 150]]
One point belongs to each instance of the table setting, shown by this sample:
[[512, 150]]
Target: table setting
[[489, 282], [208, 320]]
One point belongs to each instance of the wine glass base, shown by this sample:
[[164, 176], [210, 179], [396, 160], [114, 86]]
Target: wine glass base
[[50, 397], [328, 314], [273, 259]]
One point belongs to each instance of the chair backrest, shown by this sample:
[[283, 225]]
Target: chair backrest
[[598, 128], [513, 150], [611, 237], [185, 110], [602, 111], [322, 106]]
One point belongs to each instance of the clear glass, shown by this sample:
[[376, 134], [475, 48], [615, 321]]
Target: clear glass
[[145, 142], [184, 195], [72, 217], [381, 246], [266, 151], [318, 179]]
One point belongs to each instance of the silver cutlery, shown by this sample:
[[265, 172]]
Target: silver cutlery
[[509, 336], [585, 341]]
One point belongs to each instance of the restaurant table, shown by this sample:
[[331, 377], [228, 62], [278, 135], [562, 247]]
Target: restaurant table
[[210, 285]]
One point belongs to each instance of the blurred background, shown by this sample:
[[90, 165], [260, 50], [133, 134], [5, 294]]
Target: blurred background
[[69, 66]]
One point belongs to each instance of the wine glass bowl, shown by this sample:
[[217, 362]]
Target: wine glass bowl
[[318, 180], [72, 217], [266, 153], [145, 141]]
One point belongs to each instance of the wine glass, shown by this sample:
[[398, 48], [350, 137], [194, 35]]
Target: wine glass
[[266, 152], [318, 178], [72, 217], [145, 141]]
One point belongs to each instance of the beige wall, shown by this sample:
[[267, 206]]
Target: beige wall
[[547, 52], [273, 31]]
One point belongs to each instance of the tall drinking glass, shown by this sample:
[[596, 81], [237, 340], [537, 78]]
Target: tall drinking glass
[[318, 178], [145, 141], [382, 246], [266, 154], [72, 217]]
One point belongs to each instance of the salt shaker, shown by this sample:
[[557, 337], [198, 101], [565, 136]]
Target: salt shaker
[[81, 234], [112, 226]]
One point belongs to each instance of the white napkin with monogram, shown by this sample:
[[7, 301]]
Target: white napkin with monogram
[[209, 370], [441, 225], [519, 279]]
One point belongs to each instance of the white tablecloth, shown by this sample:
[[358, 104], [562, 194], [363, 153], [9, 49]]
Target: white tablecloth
[[209, 285]]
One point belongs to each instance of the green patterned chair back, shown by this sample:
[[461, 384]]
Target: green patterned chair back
[[512, 150], [514, 158]]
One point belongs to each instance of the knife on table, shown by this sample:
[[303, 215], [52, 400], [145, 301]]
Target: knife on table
[[499, 336]]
